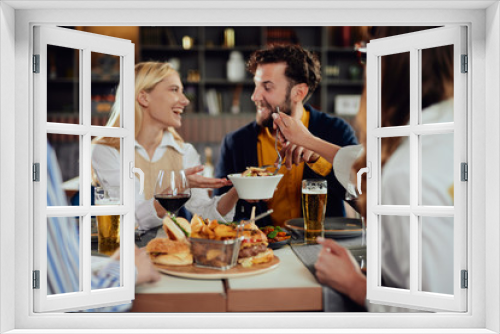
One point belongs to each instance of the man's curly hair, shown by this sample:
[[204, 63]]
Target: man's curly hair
[[302, 66]]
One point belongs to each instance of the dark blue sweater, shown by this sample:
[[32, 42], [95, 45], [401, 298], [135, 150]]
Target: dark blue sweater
[[239, 150]]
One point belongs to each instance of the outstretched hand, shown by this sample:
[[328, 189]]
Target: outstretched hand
[[337, 268], [199, 181]]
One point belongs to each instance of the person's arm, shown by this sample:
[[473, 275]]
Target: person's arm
[[222, 168], [337, 269], [219, 207], [301, 141], [106, 164]]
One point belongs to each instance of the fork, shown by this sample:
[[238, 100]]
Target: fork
[[280, 159]]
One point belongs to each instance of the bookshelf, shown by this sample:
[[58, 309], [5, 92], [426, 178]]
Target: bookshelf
[[201, 54]]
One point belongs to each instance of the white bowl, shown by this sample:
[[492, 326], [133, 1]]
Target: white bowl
[[255, 187]]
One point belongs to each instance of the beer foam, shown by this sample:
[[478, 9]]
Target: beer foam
[[107, 201], [316, 191]]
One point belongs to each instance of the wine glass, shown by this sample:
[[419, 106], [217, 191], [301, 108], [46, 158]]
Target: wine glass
[[172, 190]]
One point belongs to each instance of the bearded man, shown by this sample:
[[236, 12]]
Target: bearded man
[[285, 77]]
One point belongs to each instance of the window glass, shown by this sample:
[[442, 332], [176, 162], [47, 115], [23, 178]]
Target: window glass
[[105, 77], [63, 88], [67, 150], [436, 82], [63, 247], [437, 254], [395, 93], [395, 185], [436, 178], [395, 246]]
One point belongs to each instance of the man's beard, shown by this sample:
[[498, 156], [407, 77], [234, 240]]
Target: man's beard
[[285, 108]]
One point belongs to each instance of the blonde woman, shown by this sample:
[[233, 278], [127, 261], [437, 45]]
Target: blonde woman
[[159, 104]]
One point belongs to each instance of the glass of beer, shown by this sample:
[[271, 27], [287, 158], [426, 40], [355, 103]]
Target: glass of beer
[[108, 227], [314, 193]]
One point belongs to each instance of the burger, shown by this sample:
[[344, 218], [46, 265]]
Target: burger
[[253, 249], [169, 252], [177, 228]]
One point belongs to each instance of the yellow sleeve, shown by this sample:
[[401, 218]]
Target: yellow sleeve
[[321, 166]]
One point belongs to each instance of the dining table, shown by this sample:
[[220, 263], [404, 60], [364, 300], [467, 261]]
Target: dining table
[[289, 287]]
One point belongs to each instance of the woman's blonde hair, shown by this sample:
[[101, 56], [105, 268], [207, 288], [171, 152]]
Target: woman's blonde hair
[[147, 76]]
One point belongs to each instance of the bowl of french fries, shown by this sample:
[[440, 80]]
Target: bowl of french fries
[[255, 183], [214, 244]]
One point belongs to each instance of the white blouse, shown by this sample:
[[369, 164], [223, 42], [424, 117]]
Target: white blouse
[[106, 163]]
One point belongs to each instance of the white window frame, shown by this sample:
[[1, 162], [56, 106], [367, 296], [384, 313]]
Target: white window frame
[[85, 43], [483, 20], [412, 44]]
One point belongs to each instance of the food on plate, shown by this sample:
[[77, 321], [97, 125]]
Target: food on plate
[[256, 171], [253, 249], [275, 233], [169, 252], [177, 228]]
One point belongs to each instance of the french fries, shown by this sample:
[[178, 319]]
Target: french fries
[[211, 229]]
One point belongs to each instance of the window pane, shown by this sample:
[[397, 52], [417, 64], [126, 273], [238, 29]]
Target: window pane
[[437, 254], [395, 159], [395, 246], [437, 84], [63, 92], [67, 150], [108, 234], [105, 73], [395, 89], [63, 249], [437, 169], [108, 243], [106, 168]]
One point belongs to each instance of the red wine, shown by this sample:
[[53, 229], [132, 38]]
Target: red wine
[[172, 203]]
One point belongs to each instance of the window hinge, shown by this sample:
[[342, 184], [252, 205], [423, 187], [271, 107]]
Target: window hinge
[[465, 64], [36, 63], [36, 172], [36, 279], [464, 171], [464, 279]]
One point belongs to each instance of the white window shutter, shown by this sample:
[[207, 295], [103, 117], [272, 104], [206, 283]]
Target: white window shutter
[[85, 298], [414, 297]]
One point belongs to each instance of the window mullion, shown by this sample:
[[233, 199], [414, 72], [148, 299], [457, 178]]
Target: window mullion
[[85, 114], [414, 169]]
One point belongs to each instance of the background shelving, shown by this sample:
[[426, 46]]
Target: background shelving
[[202, 54]]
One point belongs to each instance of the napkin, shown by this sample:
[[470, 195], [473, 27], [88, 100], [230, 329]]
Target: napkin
[[342, 167]]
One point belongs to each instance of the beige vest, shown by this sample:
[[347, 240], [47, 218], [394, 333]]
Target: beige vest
[[172, 160]]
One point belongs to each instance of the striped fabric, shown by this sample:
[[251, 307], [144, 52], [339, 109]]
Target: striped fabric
[[63, 246]]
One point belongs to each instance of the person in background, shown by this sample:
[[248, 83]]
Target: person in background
[[335, 266], [285, 77], [63, 249], [159, 104]]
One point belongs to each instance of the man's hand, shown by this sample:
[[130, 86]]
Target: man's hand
[[196, 180], [337, 268]]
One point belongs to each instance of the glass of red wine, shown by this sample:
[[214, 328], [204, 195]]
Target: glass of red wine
[[172, 190]]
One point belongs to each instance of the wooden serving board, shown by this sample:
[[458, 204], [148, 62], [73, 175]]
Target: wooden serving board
[[206, 273]]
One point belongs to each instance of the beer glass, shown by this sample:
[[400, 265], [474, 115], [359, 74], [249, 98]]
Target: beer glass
[[108, 227], [314, 193]]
